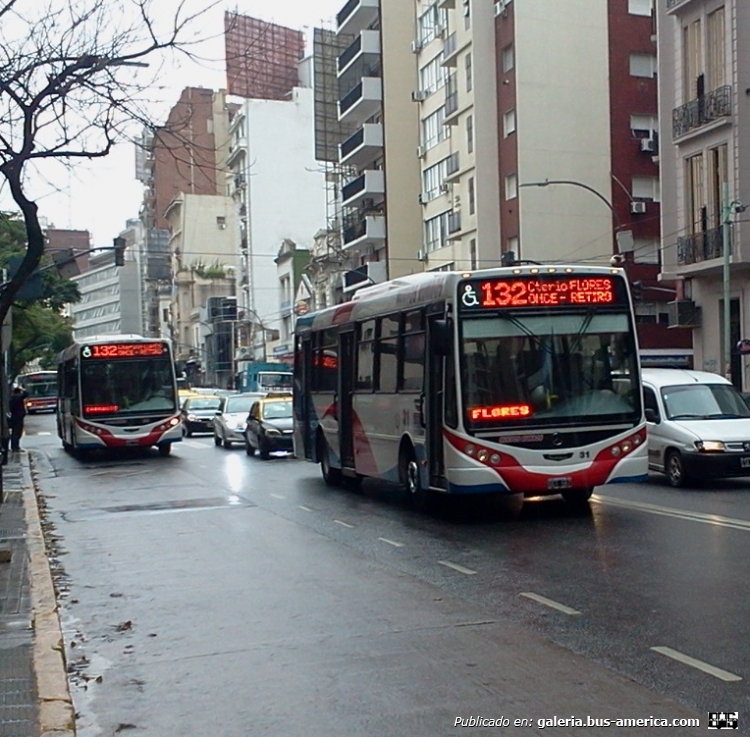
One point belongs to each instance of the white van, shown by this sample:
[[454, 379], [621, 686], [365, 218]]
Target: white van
[[698, 425]]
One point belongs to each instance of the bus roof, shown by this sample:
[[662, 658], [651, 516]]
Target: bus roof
[[415, 290]]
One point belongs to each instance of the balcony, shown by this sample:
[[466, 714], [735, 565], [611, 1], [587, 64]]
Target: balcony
[[446, 4], [357, 15], [450, 51], [361, 103], [697, 113], [700, 247], [363, 146], [674, 6], [452, 168], [450, 116], [364, 231], [237, 149], [366, 44], [369, 187]]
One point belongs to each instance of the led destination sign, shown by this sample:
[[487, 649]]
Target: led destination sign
[[546, 291], [125, 350]]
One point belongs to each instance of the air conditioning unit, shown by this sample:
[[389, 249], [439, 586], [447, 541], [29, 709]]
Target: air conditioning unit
[[637, 208], [440, 30], [501, 8], [243, 353], [421, 255], [416, 47], [445, 188], [424, 198], [419, 95], [649, 145], [421, 151], [684, 313]]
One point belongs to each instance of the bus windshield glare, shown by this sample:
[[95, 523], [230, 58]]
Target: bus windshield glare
[[551, 369], [127, 386]]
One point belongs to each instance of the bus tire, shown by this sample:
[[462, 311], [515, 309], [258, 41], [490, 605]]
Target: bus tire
[[331, 476], [416, 495], [578, 496], [165, 450]]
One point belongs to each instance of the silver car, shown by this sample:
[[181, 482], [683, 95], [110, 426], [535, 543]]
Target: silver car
[[231, 417]]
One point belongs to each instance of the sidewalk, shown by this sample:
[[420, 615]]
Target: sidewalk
[[34, 695]]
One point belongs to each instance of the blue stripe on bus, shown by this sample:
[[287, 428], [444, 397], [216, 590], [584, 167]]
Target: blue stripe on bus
[[629, 479]]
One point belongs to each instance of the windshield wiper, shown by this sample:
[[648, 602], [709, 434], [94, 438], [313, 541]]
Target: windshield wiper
[[688, 417]]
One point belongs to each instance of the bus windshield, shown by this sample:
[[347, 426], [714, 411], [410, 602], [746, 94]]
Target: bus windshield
[[127, 386], [558, 369], [40, 388]]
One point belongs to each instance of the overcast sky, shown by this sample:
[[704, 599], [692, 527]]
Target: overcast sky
[[101, 196]]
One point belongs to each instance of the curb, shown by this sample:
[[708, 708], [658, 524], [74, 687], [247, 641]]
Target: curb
[[56, 712]]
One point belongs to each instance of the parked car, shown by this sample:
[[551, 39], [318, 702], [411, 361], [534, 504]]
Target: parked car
[[229, 418], [269, 426], [698, 425], [198, 413]]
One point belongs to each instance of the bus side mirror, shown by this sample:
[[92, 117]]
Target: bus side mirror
[[440, 337]]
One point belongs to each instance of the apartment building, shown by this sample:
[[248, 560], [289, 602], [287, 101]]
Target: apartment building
[[185, 155], [280, 193], [458, 145], [381, 222], [704, 67]]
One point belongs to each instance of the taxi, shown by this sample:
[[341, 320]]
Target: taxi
[[269, 427]]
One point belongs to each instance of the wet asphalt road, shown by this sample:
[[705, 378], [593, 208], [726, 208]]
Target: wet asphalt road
[[645, 567]]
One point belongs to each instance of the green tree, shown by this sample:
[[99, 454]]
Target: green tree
[[39, 329]]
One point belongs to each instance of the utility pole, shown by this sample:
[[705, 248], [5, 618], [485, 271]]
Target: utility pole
[[728, 209]]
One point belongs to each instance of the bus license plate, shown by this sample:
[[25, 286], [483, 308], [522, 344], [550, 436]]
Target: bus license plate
[[559, 483], [745, 462]]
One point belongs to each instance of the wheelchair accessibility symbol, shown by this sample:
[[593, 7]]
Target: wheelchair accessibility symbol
[[469, 297]]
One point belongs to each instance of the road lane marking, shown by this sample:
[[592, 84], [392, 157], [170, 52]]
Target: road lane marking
[[712, 670], [343, 524], [549, 602], [708, 519], [391, 542], [44, 433], [302, 506], [277, 496], [457, 567]]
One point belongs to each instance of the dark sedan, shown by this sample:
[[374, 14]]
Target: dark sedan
[[269, 427], [198, 413]]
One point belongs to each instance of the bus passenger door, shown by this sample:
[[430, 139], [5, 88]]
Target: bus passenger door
[[432, 401], [304, 411], [346, 389]]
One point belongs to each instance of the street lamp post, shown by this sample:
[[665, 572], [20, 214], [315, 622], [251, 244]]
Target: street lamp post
[[588, 188]]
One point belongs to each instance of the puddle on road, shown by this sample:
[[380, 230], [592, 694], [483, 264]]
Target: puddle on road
[[179, 505]]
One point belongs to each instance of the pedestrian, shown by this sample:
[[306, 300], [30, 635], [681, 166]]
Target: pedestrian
[[16, 415]]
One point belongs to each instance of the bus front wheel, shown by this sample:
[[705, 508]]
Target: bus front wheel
[[331, 476], [411, 478]]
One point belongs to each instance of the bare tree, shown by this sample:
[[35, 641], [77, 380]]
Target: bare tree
[[68, 89]]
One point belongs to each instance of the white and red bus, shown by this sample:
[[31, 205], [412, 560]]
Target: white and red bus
[[41, 388], [117, 391], [508, 381]]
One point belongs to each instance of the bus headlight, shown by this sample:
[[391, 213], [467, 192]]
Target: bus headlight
[[470, 450], [483, 455]]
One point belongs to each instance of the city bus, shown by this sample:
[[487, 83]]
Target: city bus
[[117, 392], [521, 381], [41, 388]]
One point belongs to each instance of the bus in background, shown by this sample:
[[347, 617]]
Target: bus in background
[[519, 380], [118, 391], [41, 387]]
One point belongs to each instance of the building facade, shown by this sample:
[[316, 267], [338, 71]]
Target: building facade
[[704, 61], [380, 196]]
